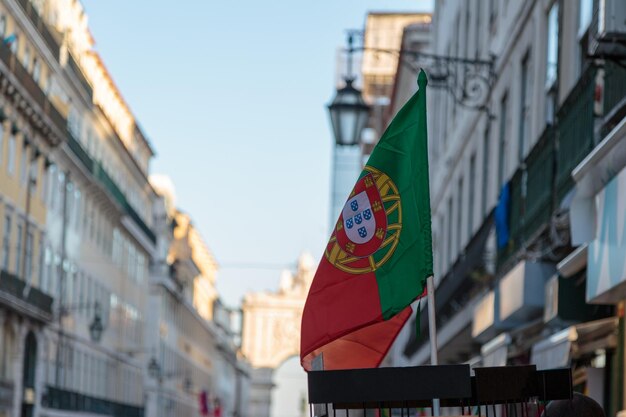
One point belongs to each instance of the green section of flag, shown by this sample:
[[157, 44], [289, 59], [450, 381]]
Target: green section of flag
[[402, 154]]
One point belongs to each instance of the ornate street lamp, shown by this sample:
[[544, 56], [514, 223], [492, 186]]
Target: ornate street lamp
[[348, 111], [154, 369], [348, 114], [96, 327]]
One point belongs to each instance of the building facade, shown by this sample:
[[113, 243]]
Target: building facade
[[271, 343], [514, 186], [77, 211], [193, 368], [88, 246]]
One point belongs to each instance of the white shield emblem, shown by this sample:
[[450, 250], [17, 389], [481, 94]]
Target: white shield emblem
[[358, 221]]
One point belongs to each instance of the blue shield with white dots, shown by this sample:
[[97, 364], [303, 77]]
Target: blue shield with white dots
[[359, 220]]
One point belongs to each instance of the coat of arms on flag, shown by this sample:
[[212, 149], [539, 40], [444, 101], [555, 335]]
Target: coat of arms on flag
[[370, 223]]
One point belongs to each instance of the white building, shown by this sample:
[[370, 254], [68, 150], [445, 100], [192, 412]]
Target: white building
[[86, 224], [548, 108], [82, 232], [193, 366], [271, 343]]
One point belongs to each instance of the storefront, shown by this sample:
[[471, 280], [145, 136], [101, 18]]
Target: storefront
[[598, 226]]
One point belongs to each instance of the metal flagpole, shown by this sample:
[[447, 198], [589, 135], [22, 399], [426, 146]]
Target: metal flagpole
[[432, 332]]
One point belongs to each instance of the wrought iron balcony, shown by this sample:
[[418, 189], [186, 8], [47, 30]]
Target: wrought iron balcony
[[33, 302], [42, 27], [544, 178], [575, 130], [60, 399], [78, 75], [15, 72], [95, 168], [80, 153], [614, 96]]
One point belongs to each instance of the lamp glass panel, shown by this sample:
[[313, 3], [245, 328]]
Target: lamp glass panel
[[348, 123]]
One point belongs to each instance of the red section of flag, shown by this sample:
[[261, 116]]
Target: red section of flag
[[343, 314]]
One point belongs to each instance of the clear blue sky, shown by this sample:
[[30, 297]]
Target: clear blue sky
[[232, 95]]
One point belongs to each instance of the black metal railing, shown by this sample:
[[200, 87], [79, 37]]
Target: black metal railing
[[138, 220], [42, 27], [32, 88], [80, 153], [98, 172], [539, 180], [614, 86], [60, 399], [544, 178], [10, 284], [614, 105], [78, 75], [516, 215], [387, 388], [101, 175], [575, 130]]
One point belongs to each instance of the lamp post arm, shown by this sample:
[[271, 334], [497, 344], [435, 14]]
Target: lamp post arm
[[469, 81]]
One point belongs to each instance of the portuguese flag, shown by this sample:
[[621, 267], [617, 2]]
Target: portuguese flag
[[379, 254]]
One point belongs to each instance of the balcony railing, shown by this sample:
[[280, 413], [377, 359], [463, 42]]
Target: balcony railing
[[614, 86], [13, 287], [60, 399], [95, 168], [545, 176], [80, 153], [32, 88], [614, 96], [539, 180], [575, 130], [42, 27], [77, 73]]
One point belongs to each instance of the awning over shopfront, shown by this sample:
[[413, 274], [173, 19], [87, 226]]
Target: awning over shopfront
[[606, 261], [571, 343], [522, 292], [591, 175]]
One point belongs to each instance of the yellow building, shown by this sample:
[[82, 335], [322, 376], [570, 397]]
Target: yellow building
[[75, 244], [190, 335], [189, 251], [83, 246]]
